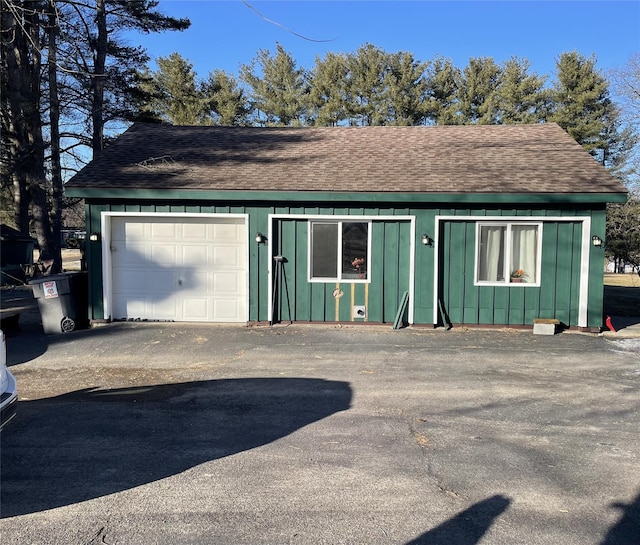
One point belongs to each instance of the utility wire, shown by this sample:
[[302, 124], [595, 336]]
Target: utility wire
[[282, 26]]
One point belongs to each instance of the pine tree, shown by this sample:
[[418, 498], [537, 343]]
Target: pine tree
[[406, 89], [581, 100], [327, 93], [226, 100], [583, 107], [366, 97], [442, 92], [521, 97], [478, 92], [176, 97], [279, 89]]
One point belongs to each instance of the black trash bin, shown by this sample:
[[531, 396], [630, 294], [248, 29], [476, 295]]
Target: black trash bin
[[63, 302]]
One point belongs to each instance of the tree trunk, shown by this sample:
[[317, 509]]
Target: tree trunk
[[98, 79], [23, 64], [54, 128]]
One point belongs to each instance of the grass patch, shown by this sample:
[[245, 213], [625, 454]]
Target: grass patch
[[622, 294]]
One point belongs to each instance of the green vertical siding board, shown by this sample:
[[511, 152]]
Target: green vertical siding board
[[262, 225], [470, 296], [376, 286], [501, 309], [93, 256], [330, 302], [344, 305], [516, 306], [576, 254], [303, 287], [596, 271], [253, 270], [403, 264], [317, 302], [563, 273], [288, 280], [443, 271], [390, 264], [531, 304], [486, 299], [257, 262], [456, 257], [547, 300], [424, 263], [404, 258]]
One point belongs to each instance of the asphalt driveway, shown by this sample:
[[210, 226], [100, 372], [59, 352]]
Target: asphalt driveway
[[195, 434]]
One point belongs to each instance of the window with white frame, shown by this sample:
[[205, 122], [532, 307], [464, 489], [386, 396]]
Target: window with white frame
[[339, 251], [508, 253]]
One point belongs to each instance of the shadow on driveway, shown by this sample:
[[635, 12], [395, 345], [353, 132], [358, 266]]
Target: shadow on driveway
[[467, 527], [90, 443]]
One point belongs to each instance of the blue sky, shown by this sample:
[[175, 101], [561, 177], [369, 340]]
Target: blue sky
[[226, 34]]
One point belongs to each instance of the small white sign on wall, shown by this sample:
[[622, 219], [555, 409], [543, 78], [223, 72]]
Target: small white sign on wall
[[50, 290]]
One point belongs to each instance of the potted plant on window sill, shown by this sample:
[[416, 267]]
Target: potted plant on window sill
[[518, 276]]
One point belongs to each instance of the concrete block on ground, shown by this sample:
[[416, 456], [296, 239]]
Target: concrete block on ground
[[545, 326]]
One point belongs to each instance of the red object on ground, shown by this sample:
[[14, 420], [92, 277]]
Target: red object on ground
[[609, 324]]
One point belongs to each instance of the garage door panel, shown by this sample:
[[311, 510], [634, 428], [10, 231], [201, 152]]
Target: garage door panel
[[228, 232], [131, 281], [195, 231], [195, 254], [131, 254], [228, 257], [163, 309], [196, 282], [183, 269], [227, 310], [196, 309], [131, 231], [227, 283], [129, 308], [164, 231], [164, 255]]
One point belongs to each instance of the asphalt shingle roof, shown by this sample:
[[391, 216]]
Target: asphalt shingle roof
[[452, 159]]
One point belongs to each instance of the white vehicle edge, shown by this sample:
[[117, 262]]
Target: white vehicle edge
[[8, 389]]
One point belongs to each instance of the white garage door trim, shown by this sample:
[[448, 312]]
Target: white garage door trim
[[107, 261]]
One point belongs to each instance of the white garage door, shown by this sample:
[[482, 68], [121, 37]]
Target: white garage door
[[185, 269]]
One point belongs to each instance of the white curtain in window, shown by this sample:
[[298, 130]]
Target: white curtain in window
[[524, 244], [491, 253]]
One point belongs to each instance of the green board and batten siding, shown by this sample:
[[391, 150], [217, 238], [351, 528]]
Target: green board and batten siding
[[556, 297], [297, 299]]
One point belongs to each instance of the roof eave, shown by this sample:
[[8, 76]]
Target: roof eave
[[341, 196]]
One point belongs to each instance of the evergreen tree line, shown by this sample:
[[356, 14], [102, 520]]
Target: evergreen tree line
[[374, 87]]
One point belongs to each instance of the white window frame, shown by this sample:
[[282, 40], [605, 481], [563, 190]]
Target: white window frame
[[339, 222], [507, 266]]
